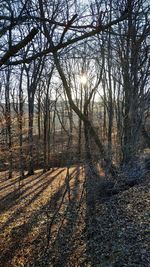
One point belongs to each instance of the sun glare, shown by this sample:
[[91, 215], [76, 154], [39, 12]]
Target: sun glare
[[83, 79]]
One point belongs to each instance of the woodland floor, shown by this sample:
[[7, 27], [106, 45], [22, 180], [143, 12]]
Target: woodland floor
[[49, 223]]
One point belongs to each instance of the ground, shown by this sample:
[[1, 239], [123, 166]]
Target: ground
[[48, 221]]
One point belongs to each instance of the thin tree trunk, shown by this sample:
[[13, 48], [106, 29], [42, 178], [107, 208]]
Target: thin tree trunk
[[8, 121], [21, 165], [30, 136], [91, 129]]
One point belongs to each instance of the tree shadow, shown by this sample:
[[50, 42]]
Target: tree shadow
[[20, 232], [107, 221], [40, 189], [7, 186], [62, 246], [17, 180], [91, 219], [2, 178], [14, 197]]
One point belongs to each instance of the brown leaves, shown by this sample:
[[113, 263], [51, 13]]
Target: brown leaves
[[97, 231]]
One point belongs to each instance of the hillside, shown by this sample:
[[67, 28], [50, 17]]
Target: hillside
[[48, 221]]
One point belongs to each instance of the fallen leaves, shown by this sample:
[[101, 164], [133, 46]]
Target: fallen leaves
[[89, 229]]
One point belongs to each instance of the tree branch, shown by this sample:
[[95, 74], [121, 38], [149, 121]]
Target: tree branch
[[14, 49], [53, 49]]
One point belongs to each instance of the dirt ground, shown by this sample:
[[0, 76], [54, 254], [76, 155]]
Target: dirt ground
[[65, 219]]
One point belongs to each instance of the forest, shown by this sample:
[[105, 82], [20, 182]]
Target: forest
[[74, 133]]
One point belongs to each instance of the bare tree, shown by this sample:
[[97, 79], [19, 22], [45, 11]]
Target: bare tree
[[33, 73]]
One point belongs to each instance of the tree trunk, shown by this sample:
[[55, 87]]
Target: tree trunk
[[30, 135], [21, 166], [91, 129], [8, 121]]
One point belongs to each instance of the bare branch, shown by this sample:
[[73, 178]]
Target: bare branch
[[14, 49]]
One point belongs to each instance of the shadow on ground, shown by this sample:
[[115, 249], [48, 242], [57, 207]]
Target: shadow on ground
[[75, 223]]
